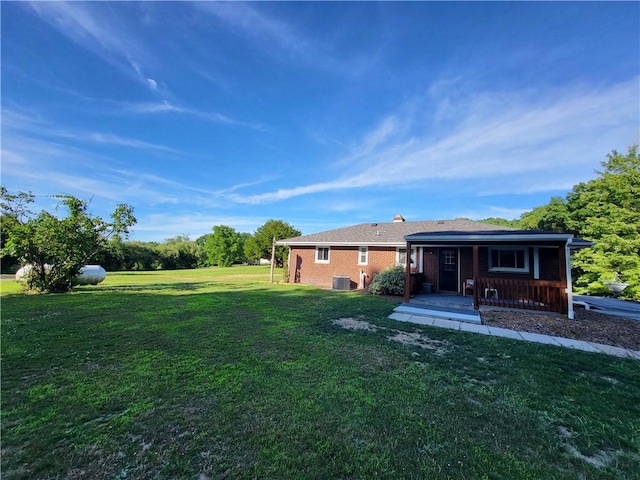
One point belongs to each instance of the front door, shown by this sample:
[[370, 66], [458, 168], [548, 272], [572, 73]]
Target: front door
[[449, 269]]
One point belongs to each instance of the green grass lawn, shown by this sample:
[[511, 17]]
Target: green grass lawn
[[216, 373]]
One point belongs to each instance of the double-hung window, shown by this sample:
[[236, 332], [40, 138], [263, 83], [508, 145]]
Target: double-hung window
[[322, 254], [509, 259], [401, 256], [363, 255]]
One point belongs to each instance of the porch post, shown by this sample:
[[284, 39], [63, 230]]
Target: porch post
[[407, 274], [476, 275], [565, 279]]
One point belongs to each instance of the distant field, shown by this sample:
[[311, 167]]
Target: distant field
[[216, 373]]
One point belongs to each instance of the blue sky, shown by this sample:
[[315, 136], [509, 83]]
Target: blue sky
[[319, 114]]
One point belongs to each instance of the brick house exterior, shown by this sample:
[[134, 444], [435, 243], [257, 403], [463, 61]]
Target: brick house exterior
[[523, 269]]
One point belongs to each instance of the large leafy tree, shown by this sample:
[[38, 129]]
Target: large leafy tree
[[605, 210], [261, 243], [178, 253], [553, 217], [55, 247], [224, 246]]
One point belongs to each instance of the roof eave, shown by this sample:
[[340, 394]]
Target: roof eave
[[341, 244], [479, 238]]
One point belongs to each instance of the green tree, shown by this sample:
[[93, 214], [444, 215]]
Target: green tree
[[605, 210], [8, 263], [57, 248], [501, 222], [260, 244], [224, 247], [140, 256], [111, 255], [553, 217], [178, 253]]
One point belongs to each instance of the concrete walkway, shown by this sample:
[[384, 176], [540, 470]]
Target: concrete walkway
[[611, 306], [465, 326]]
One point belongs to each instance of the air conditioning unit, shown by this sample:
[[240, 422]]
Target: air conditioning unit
[[341, 282]]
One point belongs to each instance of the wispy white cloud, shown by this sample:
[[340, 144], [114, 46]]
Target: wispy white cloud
[[158, 227], [519, 140], [252, 23], [167, 107], [281, 39], [95, 27], [35, 126]]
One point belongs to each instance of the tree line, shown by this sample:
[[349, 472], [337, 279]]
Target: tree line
[[57, 247], [223, 247], [605, 210], [26, 237]]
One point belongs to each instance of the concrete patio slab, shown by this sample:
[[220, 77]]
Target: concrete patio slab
[[454, 314]]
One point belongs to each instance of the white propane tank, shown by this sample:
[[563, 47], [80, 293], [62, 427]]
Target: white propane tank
[[91, 275], [23, 272]]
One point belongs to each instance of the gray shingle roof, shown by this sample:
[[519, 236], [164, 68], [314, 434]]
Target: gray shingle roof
[[389, 233]]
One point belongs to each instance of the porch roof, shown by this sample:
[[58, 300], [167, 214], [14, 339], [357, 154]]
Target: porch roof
[[490, 236]]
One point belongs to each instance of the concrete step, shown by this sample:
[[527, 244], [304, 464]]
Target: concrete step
[[439, 313]]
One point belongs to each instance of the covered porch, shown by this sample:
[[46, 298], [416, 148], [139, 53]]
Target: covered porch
[[502, 268]]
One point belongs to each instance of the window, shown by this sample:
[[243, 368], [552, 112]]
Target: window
[[449, 260], [363, 255], [401, 256], [508, 259], [322, 254]]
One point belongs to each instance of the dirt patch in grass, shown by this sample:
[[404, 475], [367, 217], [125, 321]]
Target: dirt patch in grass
[[412, 339], [600, 459], [354, 324], [588, 325], [439, 347]]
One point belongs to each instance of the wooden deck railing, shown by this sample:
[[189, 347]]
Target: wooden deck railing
[[526, 294]]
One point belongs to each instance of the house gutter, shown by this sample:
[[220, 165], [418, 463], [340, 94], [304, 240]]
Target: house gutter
[[341, 244], [488, 238]]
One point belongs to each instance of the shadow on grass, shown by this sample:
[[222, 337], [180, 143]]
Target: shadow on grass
[[169, 287]]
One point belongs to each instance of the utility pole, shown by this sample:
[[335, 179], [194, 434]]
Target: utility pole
[[273, 257]]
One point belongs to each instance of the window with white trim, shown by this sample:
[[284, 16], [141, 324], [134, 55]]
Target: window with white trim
[[363, 255], [401, 256], [322, 254], [509, 259]]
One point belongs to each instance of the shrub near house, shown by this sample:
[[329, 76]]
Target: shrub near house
[[388, 282]]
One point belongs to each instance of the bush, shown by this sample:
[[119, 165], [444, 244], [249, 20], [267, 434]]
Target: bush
[[388, 282]]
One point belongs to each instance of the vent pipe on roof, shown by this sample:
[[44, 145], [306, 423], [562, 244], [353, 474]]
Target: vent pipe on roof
[[398, 218]]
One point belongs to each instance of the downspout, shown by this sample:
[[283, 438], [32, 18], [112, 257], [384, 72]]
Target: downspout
[[570, 312]]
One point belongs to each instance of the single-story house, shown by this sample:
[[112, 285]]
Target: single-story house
[[498, 266]]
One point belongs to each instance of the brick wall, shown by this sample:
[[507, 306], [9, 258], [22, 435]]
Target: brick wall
[[342, 261]]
